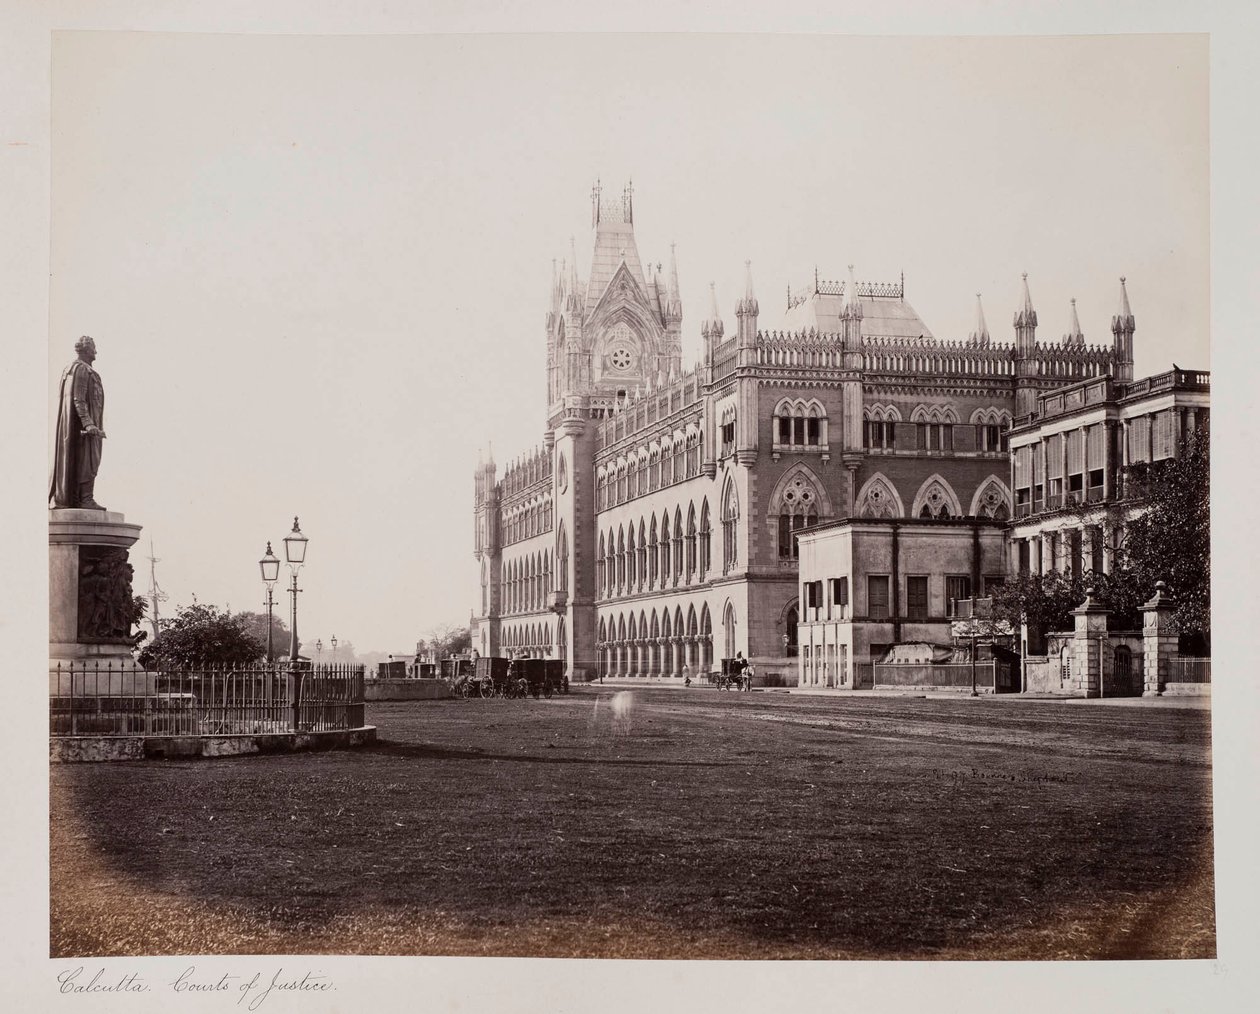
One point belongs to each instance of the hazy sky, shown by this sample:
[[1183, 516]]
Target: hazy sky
[[317, 268]]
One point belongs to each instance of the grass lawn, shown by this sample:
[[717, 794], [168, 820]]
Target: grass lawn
[[719, 826]]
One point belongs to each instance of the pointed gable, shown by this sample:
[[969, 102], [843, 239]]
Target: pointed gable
[[614, 244]]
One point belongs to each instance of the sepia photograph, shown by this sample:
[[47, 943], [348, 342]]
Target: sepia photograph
[[690, 497]]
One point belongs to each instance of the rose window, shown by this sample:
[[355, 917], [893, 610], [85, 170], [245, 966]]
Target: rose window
[[620, 359]]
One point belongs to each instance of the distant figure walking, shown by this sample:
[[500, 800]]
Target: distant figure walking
[[622, 712]]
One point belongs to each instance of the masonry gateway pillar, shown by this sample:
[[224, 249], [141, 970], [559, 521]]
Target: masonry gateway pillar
[[1088, 644], [1159, 643]]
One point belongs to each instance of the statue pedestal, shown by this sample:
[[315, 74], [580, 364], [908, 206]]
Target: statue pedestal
[[86, 571]]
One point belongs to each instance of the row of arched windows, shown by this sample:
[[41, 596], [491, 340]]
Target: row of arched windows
[[658, 556], [525, 522], [656, 644], [527, 581], [799, 423], [652, 468]]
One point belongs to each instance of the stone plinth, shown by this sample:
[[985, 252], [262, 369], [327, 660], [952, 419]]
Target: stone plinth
[[76, 538]]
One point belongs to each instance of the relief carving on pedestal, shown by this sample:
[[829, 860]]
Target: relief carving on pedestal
[[107, 606]]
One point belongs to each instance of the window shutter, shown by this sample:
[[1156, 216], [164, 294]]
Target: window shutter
[[1054, 456], [1095, 449], [1075, 452]]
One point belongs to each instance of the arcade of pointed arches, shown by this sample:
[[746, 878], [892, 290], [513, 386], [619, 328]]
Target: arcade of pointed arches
[[659, 643]]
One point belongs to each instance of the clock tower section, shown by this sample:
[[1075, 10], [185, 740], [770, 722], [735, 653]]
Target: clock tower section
[[618, 332]]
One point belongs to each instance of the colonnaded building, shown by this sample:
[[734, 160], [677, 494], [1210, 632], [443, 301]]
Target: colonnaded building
[[654, 528]]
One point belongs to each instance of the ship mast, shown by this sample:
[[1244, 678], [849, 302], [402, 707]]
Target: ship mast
[[156, 594]]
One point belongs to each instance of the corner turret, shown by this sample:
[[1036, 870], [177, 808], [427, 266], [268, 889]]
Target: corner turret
[[1122, 327]]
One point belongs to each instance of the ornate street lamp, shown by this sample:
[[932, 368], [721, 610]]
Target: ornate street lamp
[[295, 555], [334, 648], [270, 567], [319, 650]]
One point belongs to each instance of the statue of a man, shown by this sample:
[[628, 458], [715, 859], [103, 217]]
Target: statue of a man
[[80, 413]]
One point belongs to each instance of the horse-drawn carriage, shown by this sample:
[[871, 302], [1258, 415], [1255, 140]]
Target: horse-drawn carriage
[[734, 675], [492, 676]]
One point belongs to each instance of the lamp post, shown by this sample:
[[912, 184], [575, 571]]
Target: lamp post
[[270, 567], [295, 555], [319, 650], [334, 648]]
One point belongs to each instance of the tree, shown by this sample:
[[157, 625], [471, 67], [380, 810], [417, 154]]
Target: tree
[[1170, 540], [256, 625], [1044, 601], [449, 639], [201, 635]]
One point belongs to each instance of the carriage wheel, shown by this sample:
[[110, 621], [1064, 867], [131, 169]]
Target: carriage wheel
[[464, 690], [487, 689]]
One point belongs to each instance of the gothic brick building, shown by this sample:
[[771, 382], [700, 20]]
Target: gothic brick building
[[654, 527]]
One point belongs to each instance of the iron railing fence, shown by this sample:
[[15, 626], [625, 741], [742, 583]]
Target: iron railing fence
[[115, 700], [1184, 669]]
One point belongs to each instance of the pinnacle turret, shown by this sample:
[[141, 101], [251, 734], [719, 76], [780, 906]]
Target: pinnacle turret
[[748, 304], [673, 300], [1075, 336], [1123, 319], [1026, 315], [1122, 328], [852, 308], [712, 326], [981, 334]]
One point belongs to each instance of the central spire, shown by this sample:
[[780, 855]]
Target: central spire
[[614, 245]]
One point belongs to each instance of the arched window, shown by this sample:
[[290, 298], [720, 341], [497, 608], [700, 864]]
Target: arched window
[[667, 465], [991, 500], [878, 499], [796, 500], [665, 560], [642, 563], [623, 483], [691, 542], [600, 566], [728, 630], [621, 559], [936, 499], [653, 550], [730, 527], [680, 445], [562, 558], [678, 544], [705, 545], [643, 474], [631, 559]]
